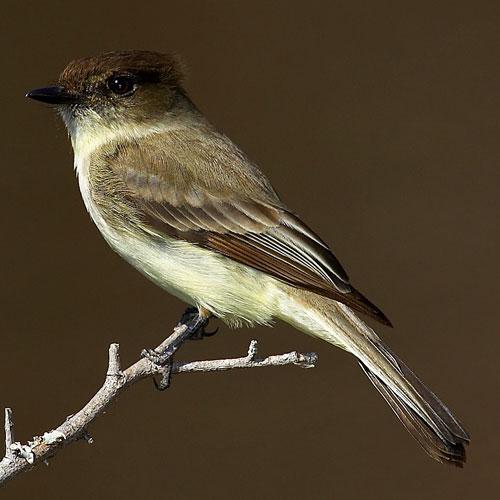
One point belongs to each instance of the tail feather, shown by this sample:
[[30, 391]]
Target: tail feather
[[440, 410], [421, 412], [446, 444]]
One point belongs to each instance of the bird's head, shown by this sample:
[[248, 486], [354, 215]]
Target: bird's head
[[132, 88]]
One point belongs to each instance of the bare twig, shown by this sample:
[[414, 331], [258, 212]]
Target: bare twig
[[307, 360], [9, 434], [20, 457], [114, 361]]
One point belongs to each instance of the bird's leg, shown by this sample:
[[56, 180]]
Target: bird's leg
[[194, 321], [200, 333]]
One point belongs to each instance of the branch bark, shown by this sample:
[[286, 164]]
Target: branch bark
[[20, 457]]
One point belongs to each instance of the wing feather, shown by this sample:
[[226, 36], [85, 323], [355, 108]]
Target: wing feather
[[210, 208]]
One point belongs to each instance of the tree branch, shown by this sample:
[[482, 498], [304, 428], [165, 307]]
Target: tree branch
[[20, 457]]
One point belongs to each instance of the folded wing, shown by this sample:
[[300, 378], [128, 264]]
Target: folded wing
[[232, 209]]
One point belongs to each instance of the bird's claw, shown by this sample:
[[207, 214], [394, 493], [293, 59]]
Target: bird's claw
[[201, 333], [164, 363], [195, 325], [155, 357]]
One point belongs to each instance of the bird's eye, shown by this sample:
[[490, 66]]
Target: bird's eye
[[121, 84]]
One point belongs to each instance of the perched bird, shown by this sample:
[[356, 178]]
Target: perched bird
[[180, 202]]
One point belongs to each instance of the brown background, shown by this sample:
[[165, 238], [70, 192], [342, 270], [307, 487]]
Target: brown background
[[378, 123]]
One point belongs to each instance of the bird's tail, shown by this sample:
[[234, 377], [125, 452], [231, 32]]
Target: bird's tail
[[427, 419]]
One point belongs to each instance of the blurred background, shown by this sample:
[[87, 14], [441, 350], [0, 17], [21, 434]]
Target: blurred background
[[379, 123]]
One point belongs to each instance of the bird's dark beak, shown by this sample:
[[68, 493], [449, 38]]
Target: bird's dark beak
[[53, 95]]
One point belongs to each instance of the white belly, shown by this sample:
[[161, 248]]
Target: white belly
[[233, 292]]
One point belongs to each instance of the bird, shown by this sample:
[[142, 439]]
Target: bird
[[184, 205]]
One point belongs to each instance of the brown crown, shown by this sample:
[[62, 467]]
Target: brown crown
[[166, 66]]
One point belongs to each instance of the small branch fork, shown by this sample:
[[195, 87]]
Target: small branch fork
[[20, 457]]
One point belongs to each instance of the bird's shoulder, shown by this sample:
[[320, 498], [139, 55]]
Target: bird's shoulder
[[185, 165]]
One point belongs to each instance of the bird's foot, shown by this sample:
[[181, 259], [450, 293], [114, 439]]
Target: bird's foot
[[154, 356], [190, 315], [195, 324]]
